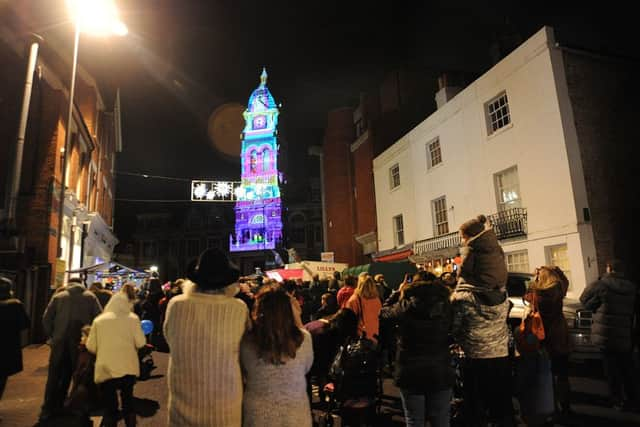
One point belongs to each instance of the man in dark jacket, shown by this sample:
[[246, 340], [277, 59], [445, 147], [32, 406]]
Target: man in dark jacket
[[613, 299], [14, 320], [423, 368], [67, 312]]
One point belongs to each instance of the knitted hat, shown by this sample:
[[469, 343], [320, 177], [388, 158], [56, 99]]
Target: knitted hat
[[214, 270], [474, 226]]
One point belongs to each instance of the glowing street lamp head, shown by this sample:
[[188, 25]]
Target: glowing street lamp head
[[99, 17]]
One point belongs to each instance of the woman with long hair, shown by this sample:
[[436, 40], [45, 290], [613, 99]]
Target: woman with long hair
[[550, 287], [365, 303], [275, 355]]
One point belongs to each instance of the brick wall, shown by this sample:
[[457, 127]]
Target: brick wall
[[338, 182], [604, 93]]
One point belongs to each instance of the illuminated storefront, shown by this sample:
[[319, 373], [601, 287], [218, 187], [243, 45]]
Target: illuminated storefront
[[258, 222]]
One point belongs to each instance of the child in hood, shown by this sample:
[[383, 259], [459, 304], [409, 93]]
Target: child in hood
[[483, 262]]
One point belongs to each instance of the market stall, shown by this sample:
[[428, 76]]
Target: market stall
[[111, 274]]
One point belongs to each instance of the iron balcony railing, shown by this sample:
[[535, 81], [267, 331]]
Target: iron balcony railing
[[438, 243], [509, 223]]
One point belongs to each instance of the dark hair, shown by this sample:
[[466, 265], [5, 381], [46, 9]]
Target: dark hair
[[336, 275], [350, 281], [344, 323], [155, 286], [72, 280], [274, 332], [289, 286]]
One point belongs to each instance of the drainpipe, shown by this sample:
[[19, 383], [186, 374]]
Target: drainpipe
[[12, 200]]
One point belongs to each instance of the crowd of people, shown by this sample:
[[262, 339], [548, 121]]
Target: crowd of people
[[246, 351]]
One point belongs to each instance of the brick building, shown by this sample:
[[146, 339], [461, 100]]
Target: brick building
[[29, 249]]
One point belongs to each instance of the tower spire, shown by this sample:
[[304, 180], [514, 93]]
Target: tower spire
[[263, 77]]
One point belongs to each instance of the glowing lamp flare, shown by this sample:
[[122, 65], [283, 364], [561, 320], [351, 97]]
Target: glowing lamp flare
[[99, 17]]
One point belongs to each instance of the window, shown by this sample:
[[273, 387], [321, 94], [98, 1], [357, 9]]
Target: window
[[518, 261], [497, 112], [394, 176], [149, 249], [213, 243], [440, 221], [361, 127], [507, 189], [558, 255], [434, 155], [398, 230]]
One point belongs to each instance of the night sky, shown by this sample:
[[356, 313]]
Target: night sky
[[183, 59]]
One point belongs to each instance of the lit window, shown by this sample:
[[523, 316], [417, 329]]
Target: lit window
[[558, 255], [394, 176], [398, 230], [434, 155], [497, 112], [440, 220], [507, 187], [518, 261]]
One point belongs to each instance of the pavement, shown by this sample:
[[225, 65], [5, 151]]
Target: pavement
[[20, 405]]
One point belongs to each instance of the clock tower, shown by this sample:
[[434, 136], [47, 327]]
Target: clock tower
[[258, 209]]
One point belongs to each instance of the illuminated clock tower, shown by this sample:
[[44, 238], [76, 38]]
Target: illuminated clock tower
[[258, 207]]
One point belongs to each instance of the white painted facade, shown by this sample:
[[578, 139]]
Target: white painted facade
[[540, 141]]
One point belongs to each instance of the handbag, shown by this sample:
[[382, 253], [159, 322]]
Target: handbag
[[530, 333]]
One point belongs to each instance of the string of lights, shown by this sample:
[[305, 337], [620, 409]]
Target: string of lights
[[144, 175]]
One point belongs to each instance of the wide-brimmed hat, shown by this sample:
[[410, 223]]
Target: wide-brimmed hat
[[214, 270]]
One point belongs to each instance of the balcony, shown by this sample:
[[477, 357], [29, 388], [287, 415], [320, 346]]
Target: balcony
[[443, 246], [509, 223]]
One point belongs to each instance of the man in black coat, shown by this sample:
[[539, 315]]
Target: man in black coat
[[14, 320], [613, 299], [67, 312]]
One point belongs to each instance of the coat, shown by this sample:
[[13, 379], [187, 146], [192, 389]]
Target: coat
[[67, 312], [115, 337], [483, 262], [480, 321], [14, 320], [368, 312], [204, 331], [612, 299], [424, 317], [556, 340]]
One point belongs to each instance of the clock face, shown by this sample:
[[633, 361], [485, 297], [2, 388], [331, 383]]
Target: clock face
[[259, 122]]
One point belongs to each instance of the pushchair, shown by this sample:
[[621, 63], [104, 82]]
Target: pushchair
[[353, 394]]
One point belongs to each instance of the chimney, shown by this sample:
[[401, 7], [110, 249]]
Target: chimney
[[445, 91]]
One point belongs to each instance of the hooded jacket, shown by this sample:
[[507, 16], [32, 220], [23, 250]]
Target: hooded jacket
[[480, 321], [483, 264], [612, 299], [424, 317], [115, 337]]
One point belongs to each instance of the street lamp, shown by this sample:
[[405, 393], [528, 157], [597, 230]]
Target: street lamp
[[98, 17]]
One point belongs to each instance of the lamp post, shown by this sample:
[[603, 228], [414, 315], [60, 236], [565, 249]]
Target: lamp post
[[92, 16]]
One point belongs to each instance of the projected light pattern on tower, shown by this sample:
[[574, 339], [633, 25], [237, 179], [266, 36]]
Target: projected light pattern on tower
[[258, 209]]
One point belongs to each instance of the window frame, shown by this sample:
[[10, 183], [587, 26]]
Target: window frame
[[549, 257], [430, 153], [515, 203], [434, 215], [495, 113], [392, 181], [524, 252], [398, 232]]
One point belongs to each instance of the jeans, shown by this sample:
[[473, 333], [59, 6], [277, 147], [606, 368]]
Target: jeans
[[436, 403], [110, 398]]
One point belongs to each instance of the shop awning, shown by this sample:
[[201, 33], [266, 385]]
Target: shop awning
[[355, 270], [285, 274], [109, 269], [396, 254]]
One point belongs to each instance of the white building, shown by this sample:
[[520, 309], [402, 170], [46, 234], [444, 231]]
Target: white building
[[505, 146]]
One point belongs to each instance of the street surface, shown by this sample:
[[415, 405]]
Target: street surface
[[23, 397]]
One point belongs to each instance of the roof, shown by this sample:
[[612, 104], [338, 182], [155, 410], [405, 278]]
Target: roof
[[263, 93]]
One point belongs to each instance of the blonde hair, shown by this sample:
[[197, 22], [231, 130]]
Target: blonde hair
[[547, 276], [366, 287]]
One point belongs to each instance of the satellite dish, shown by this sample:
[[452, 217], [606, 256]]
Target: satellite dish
[[224, 128]]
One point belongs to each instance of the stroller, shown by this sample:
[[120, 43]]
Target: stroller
[[353, 395]]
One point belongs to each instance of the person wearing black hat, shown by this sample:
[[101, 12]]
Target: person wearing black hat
[[204, 327], [14, 320]]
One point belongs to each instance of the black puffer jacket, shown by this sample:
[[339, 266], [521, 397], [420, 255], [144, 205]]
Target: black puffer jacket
[[483, 264], [612, 299], [424, 317]]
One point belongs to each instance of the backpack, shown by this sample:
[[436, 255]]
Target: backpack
[[354, 369]]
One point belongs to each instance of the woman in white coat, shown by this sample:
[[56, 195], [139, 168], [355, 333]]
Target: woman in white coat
[[115, 337]]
